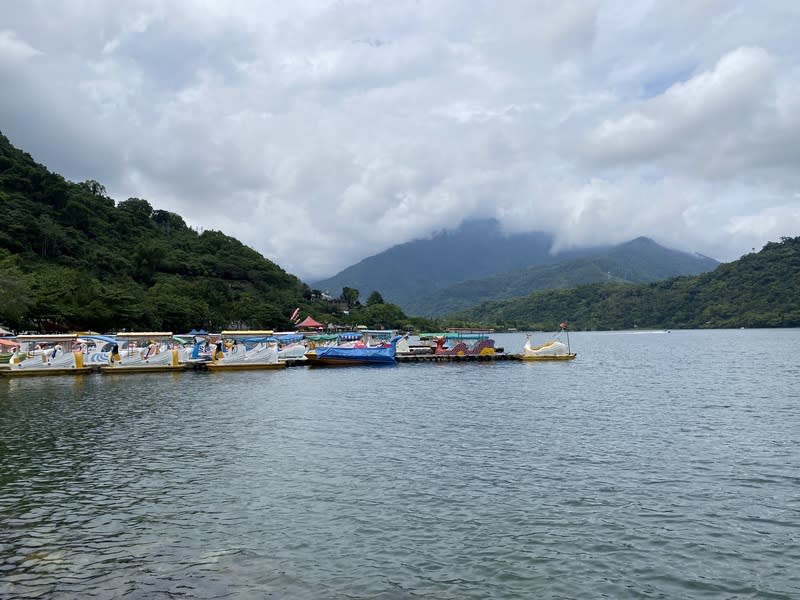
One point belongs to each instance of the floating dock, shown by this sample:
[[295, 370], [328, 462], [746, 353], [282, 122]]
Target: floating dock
[[436, 358], [208, 366]]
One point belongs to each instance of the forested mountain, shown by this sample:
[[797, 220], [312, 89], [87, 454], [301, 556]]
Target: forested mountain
[[638, 261], [477, 262], [407, 272], [759, 290], [72, 258]]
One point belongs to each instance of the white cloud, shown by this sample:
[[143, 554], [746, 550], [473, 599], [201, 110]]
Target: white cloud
[[323, 132], [14, 49], [701, 113]]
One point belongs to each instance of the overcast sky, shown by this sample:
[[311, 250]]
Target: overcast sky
[[321, 133]]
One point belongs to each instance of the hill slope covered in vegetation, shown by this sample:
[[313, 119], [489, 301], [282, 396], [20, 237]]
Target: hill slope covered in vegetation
[[758, 290], [73, 258], [639, 261], [477, 262]]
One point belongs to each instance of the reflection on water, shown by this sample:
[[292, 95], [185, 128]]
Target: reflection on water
[[652, 466]]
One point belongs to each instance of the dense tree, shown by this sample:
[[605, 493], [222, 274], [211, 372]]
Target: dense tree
[[350, 296], [15, 293], [375, 298]]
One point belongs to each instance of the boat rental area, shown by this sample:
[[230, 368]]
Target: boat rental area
[[30, 355]]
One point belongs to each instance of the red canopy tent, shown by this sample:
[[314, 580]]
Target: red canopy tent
[[309, 323]]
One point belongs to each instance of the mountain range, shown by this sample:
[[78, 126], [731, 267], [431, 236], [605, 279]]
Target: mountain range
[[454, 270], [72, 258]]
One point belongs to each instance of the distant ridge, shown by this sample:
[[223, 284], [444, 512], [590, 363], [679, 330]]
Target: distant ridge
[[456, 269], [639, 261], [761, 289]]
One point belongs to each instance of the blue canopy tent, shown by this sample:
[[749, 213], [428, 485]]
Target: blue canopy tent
[[289, 338]]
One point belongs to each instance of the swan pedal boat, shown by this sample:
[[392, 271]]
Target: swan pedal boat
[[168, 360], [69, 363], [550, 350], [263, 357]]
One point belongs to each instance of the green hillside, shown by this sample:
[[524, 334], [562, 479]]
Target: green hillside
[[638, 261], [758, 290], [456, 269], [72, 258]]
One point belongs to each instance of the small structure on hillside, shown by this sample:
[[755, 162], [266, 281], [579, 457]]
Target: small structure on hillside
[[309, 324]]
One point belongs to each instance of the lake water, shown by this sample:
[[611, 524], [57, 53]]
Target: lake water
[[655, 465]]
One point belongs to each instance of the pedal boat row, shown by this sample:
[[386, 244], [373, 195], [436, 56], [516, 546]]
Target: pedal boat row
[[237, 350], [141, 352]]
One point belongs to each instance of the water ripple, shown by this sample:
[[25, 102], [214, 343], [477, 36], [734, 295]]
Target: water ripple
[[612, 476]]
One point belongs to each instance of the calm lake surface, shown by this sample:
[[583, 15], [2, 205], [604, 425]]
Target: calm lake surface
[[655, 465]]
